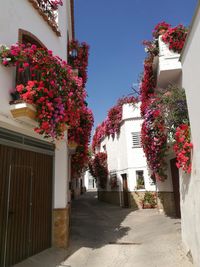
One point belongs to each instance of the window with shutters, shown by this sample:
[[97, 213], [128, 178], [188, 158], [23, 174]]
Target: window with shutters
[[136, 139]]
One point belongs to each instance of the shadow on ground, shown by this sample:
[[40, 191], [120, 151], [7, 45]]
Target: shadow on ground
[[95, 224]]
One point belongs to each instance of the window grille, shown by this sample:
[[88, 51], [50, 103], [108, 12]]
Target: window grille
[[136, 139]]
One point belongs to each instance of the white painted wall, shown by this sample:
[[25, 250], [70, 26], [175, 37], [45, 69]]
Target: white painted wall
[[61, 175], [86, 179], [122, 157], [169, 67], [15, 15], [190, 185]]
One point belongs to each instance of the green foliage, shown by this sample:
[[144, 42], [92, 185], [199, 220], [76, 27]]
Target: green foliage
[[149, 198]]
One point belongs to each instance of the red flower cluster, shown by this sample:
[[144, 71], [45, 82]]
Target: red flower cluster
[[148, 84], [183, 147], [160, 28], [81, 135], [175, 38], [154, 142], [98, 168], [58, 95], [78, 58], [112, 124]]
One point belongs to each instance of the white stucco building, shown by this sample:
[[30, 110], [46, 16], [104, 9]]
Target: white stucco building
[[190, 184], [34, 170], [89, 182], [126, 162]]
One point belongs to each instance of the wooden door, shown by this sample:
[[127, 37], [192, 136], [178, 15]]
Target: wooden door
[[175, 182], [5, 159], [25, 204], [125, 191], [18, 215]]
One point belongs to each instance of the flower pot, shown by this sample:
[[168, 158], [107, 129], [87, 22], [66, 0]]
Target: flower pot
[[147, 206], [23, 111]]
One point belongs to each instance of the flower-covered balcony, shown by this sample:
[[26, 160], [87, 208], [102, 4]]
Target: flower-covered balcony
[[167, 64], [48, 9]]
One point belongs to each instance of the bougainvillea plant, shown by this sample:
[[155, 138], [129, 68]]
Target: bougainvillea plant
[[160, 28], [81, 135], [147, 85], [78, 58], [183, 148], [57, 94], [163, 110], [154, 142], [175, 37], [111, 126], [98, 168]]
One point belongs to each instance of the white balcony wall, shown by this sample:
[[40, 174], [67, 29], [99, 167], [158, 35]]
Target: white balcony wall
[[190, 185], [169, 66]]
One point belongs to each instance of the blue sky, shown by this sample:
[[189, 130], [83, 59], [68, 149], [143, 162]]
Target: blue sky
[[115, 29]]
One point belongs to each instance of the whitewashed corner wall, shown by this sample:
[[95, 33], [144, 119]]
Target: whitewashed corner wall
[[190, 185]]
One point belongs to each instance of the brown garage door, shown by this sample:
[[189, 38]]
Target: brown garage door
[[25, 203]]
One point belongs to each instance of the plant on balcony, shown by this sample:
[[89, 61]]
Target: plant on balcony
[[111, 126], [99, 169], [175, 37], [57, 94], [160, 28], [49, 7], [163, 110], [78, 58]]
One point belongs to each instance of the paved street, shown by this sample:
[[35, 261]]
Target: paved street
[[107, 236]]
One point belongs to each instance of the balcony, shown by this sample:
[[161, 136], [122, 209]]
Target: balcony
[[49, 12], [168, 65], [23, 112]]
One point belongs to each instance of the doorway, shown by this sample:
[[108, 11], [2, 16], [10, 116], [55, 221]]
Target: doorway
[[175, 182], [125, 190], [25, 204]]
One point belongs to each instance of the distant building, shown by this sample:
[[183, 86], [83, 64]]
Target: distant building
[[128, 173], [89, 182]]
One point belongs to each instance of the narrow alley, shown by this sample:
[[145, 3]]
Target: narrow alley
[[104, 235]]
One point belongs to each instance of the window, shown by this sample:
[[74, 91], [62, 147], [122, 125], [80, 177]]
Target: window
[[113, 181], [136, 139], [140, 180], [22, 77], [104, 148]]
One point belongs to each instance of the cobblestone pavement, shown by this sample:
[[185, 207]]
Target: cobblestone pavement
[[104, 235]]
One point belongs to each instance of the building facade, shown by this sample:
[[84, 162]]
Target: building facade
[[34, 211], [128, 173], [89, 182]]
